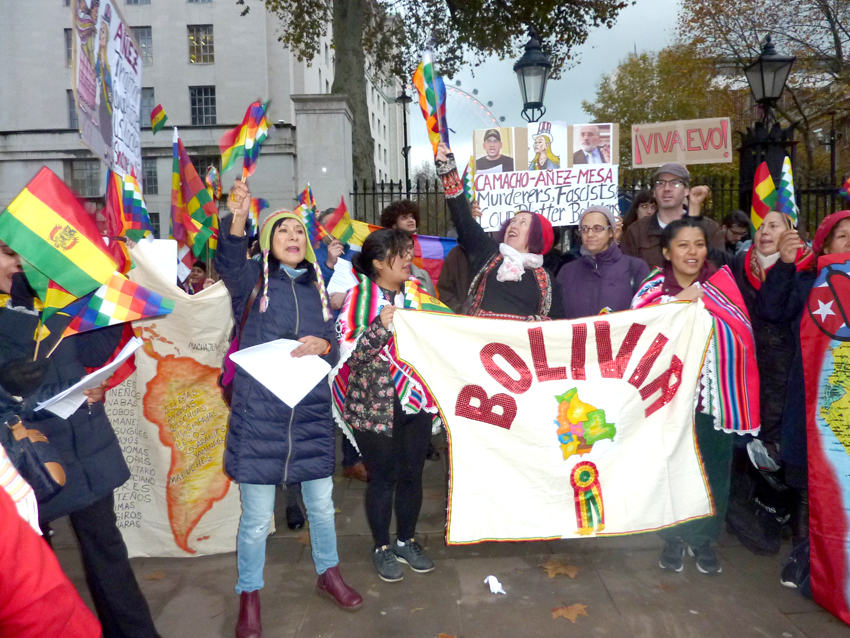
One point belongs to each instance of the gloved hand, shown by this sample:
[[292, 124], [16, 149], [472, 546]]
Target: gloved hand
[[23, 296], [22, 376]]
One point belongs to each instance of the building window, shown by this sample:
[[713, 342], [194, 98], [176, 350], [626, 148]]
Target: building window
[[147, 103], [320, 80], [67, 3], [150, 183], [203, 162], [327, 54], [73, 120], [327, 87], [69, 44], [145, 39], [138, 1], [385, 156], [385, 131], [202, 105], [154, 217], [85, 178], [201, 49]]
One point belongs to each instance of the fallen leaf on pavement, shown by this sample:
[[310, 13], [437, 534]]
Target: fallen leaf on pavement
[[304, 538], [553, 567], [415, 609], [571, 613], [445, 636], [157, 575], [664, 587]]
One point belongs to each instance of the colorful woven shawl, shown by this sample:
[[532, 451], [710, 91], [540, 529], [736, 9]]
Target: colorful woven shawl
[[363, 303], [730, 373], [736, 406]]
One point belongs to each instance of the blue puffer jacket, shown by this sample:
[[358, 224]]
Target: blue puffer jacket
[[85, 443], [269, 443]]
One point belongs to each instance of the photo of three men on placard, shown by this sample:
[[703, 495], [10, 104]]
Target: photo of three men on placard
[[545, 146]]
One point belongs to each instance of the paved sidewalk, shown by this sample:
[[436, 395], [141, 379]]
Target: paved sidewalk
[[618, 579]]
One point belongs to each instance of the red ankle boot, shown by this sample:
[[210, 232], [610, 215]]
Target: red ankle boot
[[248, 625], [331, 585]]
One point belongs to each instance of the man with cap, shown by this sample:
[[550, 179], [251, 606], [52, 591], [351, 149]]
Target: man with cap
[[493, 160], [671, 185]]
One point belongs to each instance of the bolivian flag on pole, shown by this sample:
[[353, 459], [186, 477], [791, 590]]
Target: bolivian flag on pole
[[48, 227], [764, 196]]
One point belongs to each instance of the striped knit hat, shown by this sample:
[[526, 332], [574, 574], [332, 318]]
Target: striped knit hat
[[265, 246]]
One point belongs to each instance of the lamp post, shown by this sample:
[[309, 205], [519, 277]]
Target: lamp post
[[404, 99], [766, 140], [532, 71]]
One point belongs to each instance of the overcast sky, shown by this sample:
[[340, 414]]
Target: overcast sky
[[648, 25]]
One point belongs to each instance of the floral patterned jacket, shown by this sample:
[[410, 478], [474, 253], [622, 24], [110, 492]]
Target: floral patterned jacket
[[369, 402]]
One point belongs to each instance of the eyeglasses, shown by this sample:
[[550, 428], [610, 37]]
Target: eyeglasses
[[674, 183], [594, 229]]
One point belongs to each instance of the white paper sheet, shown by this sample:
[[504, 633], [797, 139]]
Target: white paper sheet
[[290, 379], [343, 279], [69, 401], [163, 253]]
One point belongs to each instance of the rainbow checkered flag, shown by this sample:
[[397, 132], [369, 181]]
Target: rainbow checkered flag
[[845, 189], [469, 180], [257, 206], [117, 301], [307, 212], [786, 201], [134, 212]]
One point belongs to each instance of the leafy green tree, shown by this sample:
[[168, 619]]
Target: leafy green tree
[[674, 84], [388, 36]]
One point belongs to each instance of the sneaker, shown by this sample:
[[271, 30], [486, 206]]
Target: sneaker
[[796, 569], [385, 562], [672, 555], [410, 553], [707, 561]]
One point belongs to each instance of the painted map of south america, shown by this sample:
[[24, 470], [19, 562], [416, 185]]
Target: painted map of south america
[[184, 401]]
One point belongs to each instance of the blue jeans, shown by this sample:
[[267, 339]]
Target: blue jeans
[[257, 512]]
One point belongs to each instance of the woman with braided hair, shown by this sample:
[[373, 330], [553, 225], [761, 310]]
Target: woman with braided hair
[[268, 442]]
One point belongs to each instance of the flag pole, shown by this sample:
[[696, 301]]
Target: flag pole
[[56, 345], [37, 340]]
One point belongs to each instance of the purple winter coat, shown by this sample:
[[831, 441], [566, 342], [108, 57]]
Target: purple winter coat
[[608, 279]]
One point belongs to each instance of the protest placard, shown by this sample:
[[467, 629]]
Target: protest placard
[[707, 141], [107, 83], [560, 195]]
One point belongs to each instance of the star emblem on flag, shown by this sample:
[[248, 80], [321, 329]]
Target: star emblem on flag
[[825, 305], [824, 310]]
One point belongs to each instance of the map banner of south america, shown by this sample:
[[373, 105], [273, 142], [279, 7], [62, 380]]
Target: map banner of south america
[[825, 343], [565, 429], [171, 423]]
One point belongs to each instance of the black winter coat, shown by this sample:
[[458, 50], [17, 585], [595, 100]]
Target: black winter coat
[[85, 444], [783, 298], [269, 443]]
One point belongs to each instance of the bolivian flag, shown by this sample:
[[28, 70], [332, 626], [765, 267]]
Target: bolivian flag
[[48, 227], [764, 196], [158, 118], [339, 223]]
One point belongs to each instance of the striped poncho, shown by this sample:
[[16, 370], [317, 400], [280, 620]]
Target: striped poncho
[[363, 303], [730, 381]]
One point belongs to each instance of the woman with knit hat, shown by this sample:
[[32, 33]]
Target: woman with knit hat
[[510, 281], [268, 442], [603, 277]]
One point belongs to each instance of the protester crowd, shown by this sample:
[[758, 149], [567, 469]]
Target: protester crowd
[[662, 250]]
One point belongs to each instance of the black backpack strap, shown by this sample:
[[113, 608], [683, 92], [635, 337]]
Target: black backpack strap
[[249, 305]]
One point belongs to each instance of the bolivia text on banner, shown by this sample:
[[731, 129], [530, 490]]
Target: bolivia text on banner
[[566, 428], [171, 422]]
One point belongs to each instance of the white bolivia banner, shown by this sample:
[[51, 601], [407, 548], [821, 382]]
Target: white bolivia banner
[[565, 428], [171, 423]]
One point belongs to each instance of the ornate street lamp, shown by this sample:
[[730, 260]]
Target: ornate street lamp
[[767, 75], [532, 71], [404, 99]]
